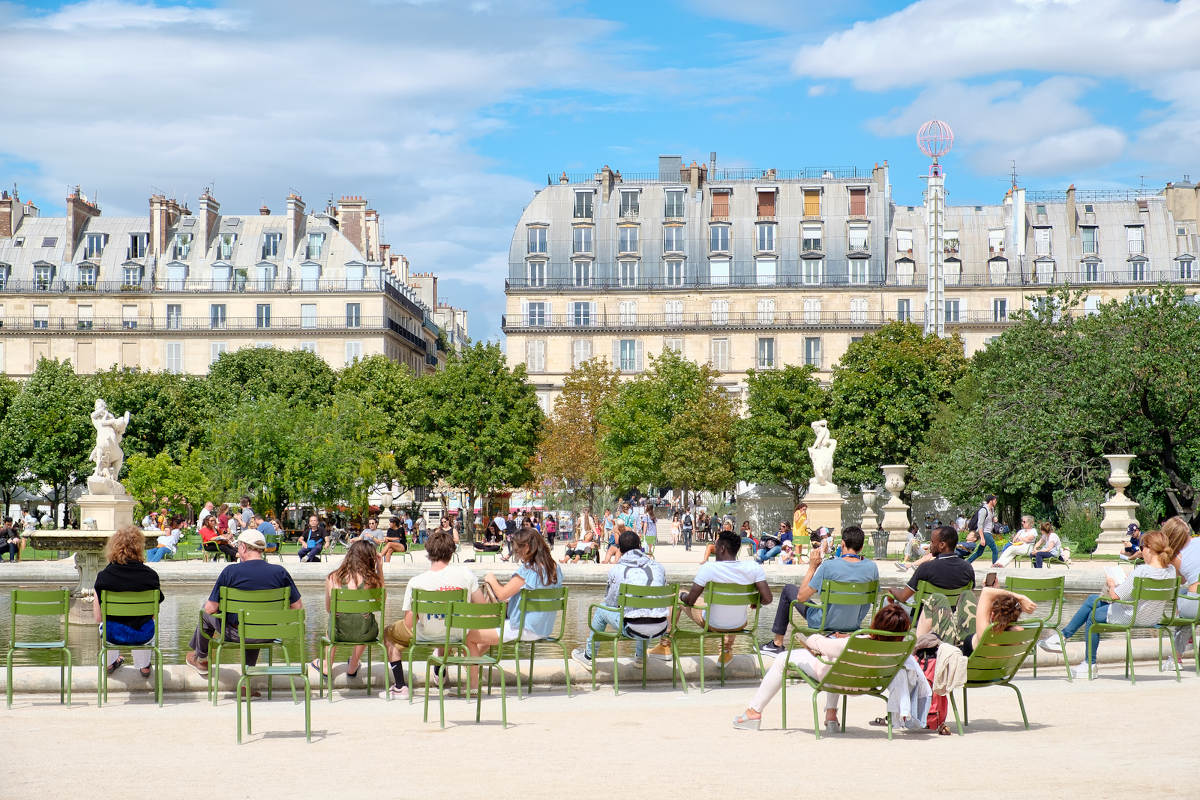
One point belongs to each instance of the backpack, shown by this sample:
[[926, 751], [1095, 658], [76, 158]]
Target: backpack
[[973, 522], [937, 703]]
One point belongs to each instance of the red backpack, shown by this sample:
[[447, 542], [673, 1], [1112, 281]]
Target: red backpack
[[937, 704]]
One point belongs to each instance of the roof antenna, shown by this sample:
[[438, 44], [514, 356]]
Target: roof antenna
[[1014, 173]]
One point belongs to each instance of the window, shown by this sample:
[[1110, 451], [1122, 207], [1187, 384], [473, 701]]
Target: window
[[720, 355], [952, 271], [1040, 210], [129, 317], [810, 238], [905, 272], [19, 241], [766, 202], [535, 314], [308, 347], [84, 318], [216, 316], [812, 270], [996, 242], [537, 240], [93, 244], [858, 310], [904, 241], [353, 315], [1044, 271], [41, 317], [87, 276], [4, 269], [1091, 305], [535, 355], [629, 355], [262, 315], [766, 353], [582, 313], [308, 315], [860, 238], [858, 202], [221, 276], [673, 312], [1092, 270], [1137, 270], [175, 357], [812, 351], [50, 241], [673, 239], [583, 205], [627, 273], [131, 276], [316, 244], [537, 274], [627, 312], [718, 271], [1088, 238], [225, 244], [673, 205], [719, 310], [999, 310], [627, 239], [310, 277], [215, 351], [263, 345], [720, 203], [581, 239], [952, 310], [1185, 269], [1135, 235], [904, 309], [629, 202], [859, 269], [674, 273], [765, 232], [353, 352], [766, 311], [1041, 241], [674, 344], [812, 202], [138, 244], [174, 316], [581, 351], [718, 238], [998, 270], [181, 248], [270, 246], [765, 271], [950, 244], [42, 275], [812, 311], [583, 273]]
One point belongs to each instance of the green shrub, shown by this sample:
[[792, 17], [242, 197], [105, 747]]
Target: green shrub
[[1079, 526]]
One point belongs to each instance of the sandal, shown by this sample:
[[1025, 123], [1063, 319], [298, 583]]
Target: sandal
[[879, 722], [116, 665], [354, 674], [145, 672], [742, 722], [944, 730], [315, 664]]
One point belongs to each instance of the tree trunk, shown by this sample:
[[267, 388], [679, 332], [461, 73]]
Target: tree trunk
[[469, 514]]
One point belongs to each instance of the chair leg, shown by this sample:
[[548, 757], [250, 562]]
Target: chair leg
[[307, 709], [566, 668], [889, 721], [783, 691], [966, 713], [1129, 658], [67, 654], [816, 719], [504, 699], [532, 647], [702, 664], [616, 690], [1066, 663], [442, 696], [427, 668], [845, 703], [954, 708], [101, 674], [237, 699], [1021, 703], [8, 687]]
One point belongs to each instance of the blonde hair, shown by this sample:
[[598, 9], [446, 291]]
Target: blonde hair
[[1158, 543], [126, 546], [1046, 528], [1177, 532]]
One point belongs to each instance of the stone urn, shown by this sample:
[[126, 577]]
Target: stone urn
[[893, 477], [895, 510], [869, 520], [1119, 510], [1119, 476]]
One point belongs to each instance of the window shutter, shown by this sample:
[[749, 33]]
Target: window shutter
[[858, 202], [592, 313], [720, 204], [639, 355], [766, 203], [812, 203], [617, 353]]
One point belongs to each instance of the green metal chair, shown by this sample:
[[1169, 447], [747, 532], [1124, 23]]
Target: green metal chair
[[1048, 593], [433, 602], [534, 601], [926, 590], [352, 601], [836, 593], [717, 595], [631, 596], [127, 604], [865, 667], [41, 603], [1145, 590], [479, 555], [1175, 621], [234, 602], [464, 617], [270, 628], [995, 661]]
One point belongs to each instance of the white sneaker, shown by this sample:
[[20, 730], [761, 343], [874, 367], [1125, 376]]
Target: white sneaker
[[1050, 644], [1169, 665], [1079, 670], [580, 656]]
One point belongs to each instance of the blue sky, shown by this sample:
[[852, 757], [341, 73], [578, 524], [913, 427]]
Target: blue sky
[[448, 114]]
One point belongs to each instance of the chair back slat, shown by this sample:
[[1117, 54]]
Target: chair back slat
[[475, 616], [356, 601], [868, 665], [40, 602], [731, 594], [1151, 590], [849, 593], [1048, 593], [237, 601], [259, 626], [1000, 654], [129, 604], [541, 600], [436, 602], [637, 596]]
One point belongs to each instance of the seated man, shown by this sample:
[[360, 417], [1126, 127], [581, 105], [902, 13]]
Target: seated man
[[1133, 550], [10, 540], [639, 569], [166, 544], [581, 549], [851, 566], [371, 533], [726, 569], [313, 539], [250, 572], [268, 530], [944, 569]]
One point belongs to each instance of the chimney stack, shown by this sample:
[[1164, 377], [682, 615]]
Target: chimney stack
[[210, 211], [351, 214], [372, 225], [264, 211], [164, 215], [1072, 217], [296, 223], [79, 211], [10, 213]]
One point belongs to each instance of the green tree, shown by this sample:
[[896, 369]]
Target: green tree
[[11, 467], [883, 397], [479, 423], [161, 482], [699, 454], [774, 436], [49, 428], [168, 413], [251, 373], [391, 389]]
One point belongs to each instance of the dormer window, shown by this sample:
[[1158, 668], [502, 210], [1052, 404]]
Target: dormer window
[[904, 242], [538, 240], [630, 202], [225, 245], [182, 246], [42, 275], [583, 204], [87, 276], [138, 244], [950, 242], [270, 247], [50, 241], [93, 244], [131, 276], [19, 241], [316, 243]]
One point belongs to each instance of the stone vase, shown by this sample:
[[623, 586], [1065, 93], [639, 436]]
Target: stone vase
[[869, 521], [1119, 510], [895, 510]]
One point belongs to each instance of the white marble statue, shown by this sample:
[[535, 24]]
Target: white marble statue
[[821, 454], [107, 454]]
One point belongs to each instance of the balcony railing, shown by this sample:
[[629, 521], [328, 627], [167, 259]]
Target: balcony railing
[[720, 175], [780, 320], [206, 324], [192, 286]]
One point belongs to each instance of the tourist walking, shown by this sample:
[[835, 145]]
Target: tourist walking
[[983, 523]]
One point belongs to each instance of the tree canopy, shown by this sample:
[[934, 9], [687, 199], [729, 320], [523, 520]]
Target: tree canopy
[[774, 435], [568, 455]]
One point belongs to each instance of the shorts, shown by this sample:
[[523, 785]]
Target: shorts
[[511, 634]]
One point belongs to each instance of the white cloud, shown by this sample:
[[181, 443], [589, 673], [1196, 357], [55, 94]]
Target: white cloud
[[817, 89]]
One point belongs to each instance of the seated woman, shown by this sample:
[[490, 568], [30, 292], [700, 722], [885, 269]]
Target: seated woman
[[915, 548], [1021, 544], [815, 659], [361, 568], [996, 606], [771, 544], [492, 539], [537, 570], [168, 543], [215, 541], [395, 540], [1156, 550], [126, 572], [1048, 545], [581, 549]]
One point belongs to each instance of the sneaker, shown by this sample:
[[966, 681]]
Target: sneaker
[[398, 692], [1077, 670], [725, 657], [900, 565], [1050, 644], [196, 663], [662, 650], [1123, 557], [832, 728], [579, 655], [772, 649], [1169, 665]]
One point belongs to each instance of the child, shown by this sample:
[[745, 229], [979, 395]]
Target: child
[[787, 556], [1134, 550]]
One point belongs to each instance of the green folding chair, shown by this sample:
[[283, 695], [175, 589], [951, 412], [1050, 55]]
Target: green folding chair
[[1145, 591], [718, 595], [431, 602], [1048, 593], [926, 590], [532, 601], [1175, 621], [995, 661], [835, 593], [464, 617], [41, 603], [234, 602], [127, 604], [352, 601], [270, 629], [865, 667], [629, 597]]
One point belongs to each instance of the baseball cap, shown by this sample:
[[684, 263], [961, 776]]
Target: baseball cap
[[1133, 526], [252, 537]]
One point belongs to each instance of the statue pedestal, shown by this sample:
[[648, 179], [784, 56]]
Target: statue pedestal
[[895, 520], [1118, 513], [824, 508], [108, 512]]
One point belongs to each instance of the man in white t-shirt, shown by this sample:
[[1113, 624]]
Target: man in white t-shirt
[[726, 569], [441, 576]]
